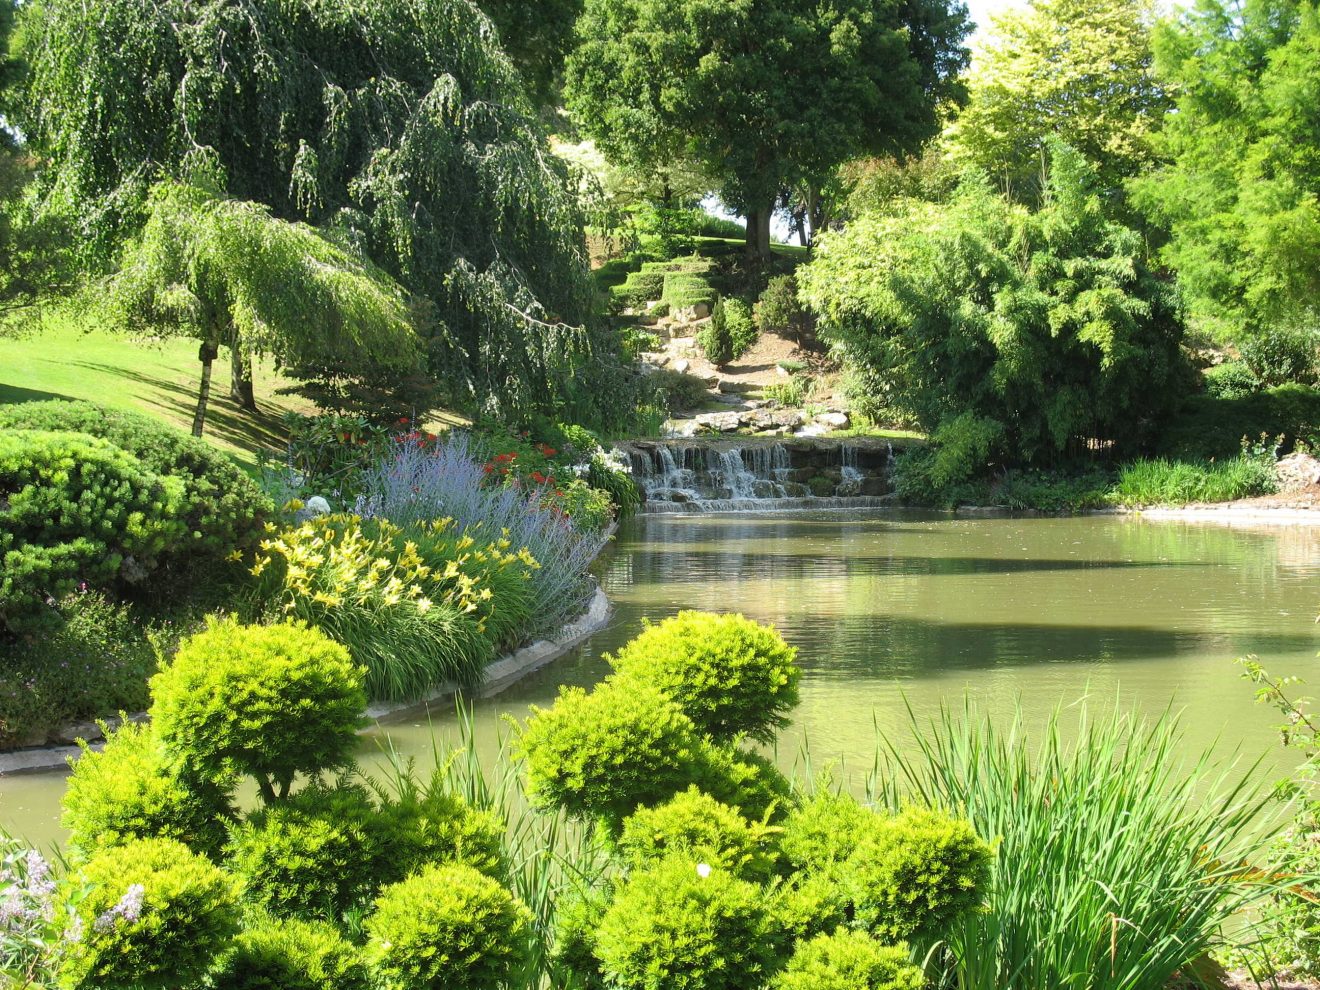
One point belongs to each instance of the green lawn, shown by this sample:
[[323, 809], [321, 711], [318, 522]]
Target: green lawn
[[160, 378]]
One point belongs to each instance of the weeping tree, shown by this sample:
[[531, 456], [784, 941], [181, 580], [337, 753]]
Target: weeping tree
[[228, 273], [399, 124]]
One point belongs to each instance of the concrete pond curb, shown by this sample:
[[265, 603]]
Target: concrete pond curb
[[499, 675]]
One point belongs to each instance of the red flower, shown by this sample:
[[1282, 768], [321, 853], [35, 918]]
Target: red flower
[[403, 420], [538, 477], [489, 468]]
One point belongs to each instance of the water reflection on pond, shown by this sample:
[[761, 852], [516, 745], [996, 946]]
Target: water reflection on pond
[[911, 608]]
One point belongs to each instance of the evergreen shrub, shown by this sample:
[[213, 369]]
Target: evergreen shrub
[[151, 915], [714, 338], [314, 855], [730, 675], [686, 925], [76, 510], [602, 754], [133, 790], [438, 827], [269, 701], [701, 828], [222, 509], [849, 960], [291, 954], [448, 927]]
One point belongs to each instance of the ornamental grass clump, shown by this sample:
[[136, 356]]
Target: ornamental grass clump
[[416, 604], [1117, 865], [421, 482]]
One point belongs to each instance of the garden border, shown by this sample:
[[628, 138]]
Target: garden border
[[498, 676]]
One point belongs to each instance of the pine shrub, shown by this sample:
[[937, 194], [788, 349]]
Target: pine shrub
[[291, 954], [698, 826], [269, 701], [849, 960], [448, 927], [150, 914]]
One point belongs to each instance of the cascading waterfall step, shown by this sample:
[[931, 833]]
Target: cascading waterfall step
[[750, 475]]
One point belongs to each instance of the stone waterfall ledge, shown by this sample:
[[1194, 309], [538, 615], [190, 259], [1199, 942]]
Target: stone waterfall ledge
[[499, 675]]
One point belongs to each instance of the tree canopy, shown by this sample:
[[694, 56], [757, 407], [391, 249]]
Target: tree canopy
[[1241, 194], [766, 95], [1078, 70], [399, 124], [226, 272], [1021, 333]]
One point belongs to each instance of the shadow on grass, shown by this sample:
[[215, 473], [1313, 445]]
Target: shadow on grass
[[15, 393], [225, 420]]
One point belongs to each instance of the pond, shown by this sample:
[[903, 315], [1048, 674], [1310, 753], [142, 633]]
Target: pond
[[906, 608]]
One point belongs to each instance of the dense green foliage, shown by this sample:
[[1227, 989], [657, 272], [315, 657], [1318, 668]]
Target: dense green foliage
[[446, 928], [1162, 482], [154, 916], [778, 310], [1007, 332], [766, 96], [1207, 427], [1241, 193], [849, 960], [266, 701], [133, 789], [731, 676], [697, 826], [603, 753], [1080, 71], [222, 507], [95, 660], [1282, 355], [677, 925], [291, 954], [77, 509], [714, 338], [398, 127], [313, 855]]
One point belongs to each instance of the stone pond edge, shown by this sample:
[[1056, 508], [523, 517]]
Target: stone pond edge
[[498, 676]]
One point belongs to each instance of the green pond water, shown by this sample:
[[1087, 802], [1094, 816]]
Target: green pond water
[[906, 608]]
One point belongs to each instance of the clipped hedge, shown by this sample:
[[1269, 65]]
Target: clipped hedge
[[77, 509], [222, 509]]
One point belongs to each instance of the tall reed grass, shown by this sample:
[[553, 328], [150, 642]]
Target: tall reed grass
[[1119, 863], [420, 481]]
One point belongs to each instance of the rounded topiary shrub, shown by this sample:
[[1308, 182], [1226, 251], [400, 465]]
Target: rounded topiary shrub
[[914, 873], [702, 828], [747, 781], [849, 960], [270, 701], [313, 855], [823, 832], [730, 675], [222, 509], [148, 914], [685, 925], [291, 954], [132, 790], [438, 827], [448, 927], [806, 905], [76, 510], [605, 753]]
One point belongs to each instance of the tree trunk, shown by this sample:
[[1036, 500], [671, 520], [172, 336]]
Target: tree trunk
[[758, 233], [817, 214], [206, 354], [240, 380]]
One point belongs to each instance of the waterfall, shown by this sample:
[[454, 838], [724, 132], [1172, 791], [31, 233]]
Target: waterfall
[[696, 476]]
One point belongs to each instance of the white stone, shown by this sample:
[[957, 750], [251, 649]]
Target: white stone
[[682, 365], [1297, 471]]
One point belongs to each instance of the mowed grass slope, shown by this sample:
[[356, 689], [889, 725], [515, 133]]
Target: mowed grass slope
[[160, 378]]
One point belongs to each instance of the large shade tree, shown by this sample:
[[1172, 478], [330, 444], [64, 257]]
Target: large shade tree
[[398, 124], [1077, 70], [765, 95], [1241, 195]]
